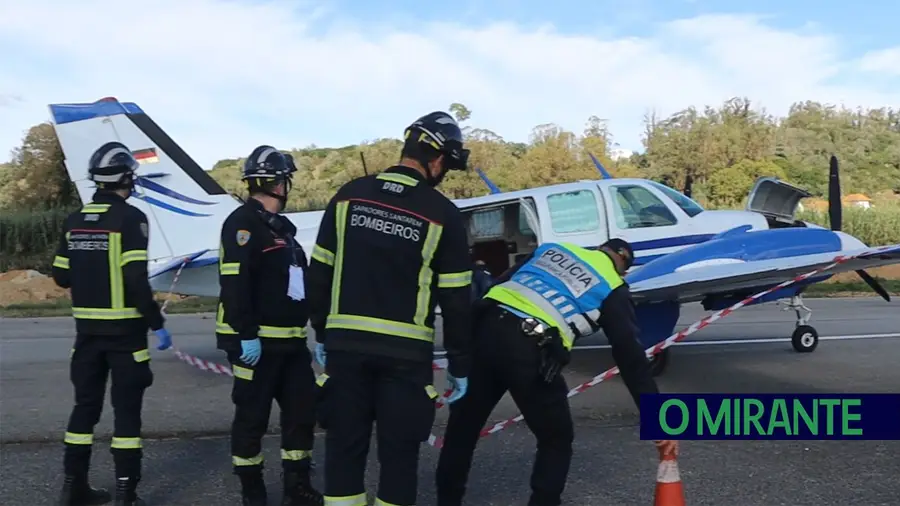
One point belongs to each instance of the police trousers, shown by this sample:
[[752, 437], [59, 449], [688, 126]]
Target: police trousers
[[399, 397], [93, 358], [505, 359], [285, 376]]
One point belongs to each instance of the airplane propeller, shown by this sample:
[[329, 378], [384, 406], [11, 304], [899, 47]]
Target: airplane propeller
[[835, 212]]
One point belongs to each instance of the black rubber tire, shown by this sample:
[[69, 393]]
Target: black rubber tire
[[805, 339]]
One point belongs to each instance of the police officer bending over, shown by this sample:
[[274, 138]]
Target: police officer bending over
[[527, 324], [261, 325], [389, 247], [102, 257]]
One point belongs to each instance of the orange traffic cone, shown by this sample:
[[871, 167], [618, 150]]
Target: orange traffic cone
[[669, 491]]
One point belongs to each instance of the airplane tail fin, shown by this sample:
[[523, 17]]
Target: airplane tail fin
[[183, 203]]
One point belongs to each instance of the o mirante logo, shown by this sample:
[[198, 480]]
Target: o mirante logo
[[771, 416]]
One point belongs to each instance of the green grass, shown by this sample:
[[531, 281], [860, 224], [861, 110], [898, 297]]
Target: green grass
[[63, 307], [852, 289]]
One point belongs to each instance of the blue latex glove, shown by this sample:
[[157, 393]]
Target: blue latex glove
[[252, 349], [320, 354], [165, 339], [458, 388]]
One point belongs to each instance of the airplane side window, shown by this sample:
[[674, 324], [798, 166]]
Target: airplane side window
[[686, 204], [638, 208], [487, 223], [573, 212]]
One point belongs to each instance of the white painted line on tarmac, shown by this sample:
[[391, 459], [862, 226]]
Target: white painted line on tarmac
[[713, 342]]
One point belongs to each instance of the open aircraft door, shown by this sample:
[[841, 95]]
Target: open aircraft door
[[531, 216], [775, 199]]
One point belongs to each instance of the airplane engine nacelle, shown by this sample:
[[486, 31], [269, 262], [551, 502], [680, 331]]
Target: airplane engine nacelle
[[657, 321]]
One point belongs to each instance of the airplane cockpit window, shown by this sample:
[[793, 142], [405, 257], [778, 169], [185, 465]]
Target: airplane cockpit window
[[487, 223], [637, 207], [573, 212], [686, 204]]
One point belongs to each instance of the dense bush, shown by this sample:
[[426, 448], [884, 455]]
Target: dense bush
[[28, 240]]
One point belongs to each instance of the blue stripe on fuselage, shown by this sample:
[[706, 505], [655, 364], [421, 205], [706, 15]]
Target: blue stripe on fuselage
[[168, 207], [154, 186], [665, 242]]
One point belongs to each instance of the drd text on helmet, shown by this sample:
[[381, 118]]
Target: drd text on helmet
[[112, 167], [436, 134]]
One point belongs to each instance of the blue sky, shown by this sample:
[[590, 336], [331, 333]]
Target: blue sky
[[222, 77]]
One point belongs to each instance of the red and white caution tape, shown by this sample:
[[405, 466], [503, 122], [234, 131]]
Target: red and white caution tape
[[438, 441], [206, 365]]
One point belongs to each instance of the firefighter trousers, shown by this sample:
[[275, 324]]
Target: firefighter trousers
[[285, 376], [399, 397], [127, 361], [507, 360]]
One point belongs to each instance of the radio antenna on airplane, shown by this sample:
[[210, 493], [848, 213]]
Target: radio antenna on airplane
[[599, 167], [490, 184], [363, 158], [688, 183]]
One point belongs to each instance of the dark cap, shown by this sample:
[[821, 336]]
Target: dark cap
[[621, 248]]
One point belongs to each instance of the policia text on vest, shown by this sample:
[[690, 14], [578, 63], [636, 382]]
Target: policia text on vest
[[389, 248], [575, 291], [102, 257]]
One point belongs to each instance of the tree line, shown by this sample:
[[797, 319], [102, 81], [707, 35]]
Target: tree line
[[723, 150]]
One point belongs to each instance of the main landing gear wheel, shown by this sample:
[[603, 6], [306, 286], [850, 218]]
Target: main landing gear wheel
[[805, 339], [659, 362]]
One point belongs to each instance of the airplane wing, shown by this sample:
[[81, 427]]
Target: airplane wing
[[691, 285]]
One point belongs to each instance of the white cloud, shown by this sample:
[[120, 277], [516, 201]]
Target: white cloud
[[222, 77], [884, 61]]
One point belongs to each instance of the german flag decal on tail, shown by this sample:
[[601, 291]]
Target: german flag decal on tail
[[146, 155]]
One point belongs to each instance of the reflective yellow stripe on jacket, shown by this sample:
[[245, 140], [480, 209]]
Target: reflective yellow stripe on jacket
[[416, 330], [264, 330]]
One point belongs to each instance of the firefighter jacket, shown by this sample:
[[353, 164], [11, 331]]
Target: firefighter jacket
[[102, 257], [578, 291], [256, 253], [389, 249]]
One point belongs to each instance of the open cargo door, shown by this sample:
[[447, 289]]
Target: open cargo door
[[775, 199]]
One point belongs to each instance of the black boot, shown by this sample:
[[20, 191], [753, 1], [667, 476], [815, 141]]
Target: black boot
[[126, 492], [253, 489], [77, 492], [298, 491]]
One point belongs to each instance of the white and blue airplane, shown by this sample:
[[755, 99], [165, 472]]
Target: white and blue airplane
[[683, 253]]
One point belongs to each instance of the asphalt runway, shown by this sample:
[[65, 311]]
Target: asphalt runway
[[188, 414]]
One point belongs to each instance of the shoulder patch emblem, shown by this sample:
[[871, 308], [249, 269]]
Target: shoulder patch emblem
[[242, 237], [145, 229]]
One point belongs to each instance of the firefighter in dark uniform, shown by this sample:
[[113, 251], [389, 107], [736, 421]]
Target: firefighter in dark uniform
[[261, 325], [389, 248], [102, 258], [527, 324]]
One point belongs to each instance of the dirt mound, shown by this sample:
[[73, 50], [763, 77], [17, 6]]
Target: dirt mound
[[23, 287], [17, 287]]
